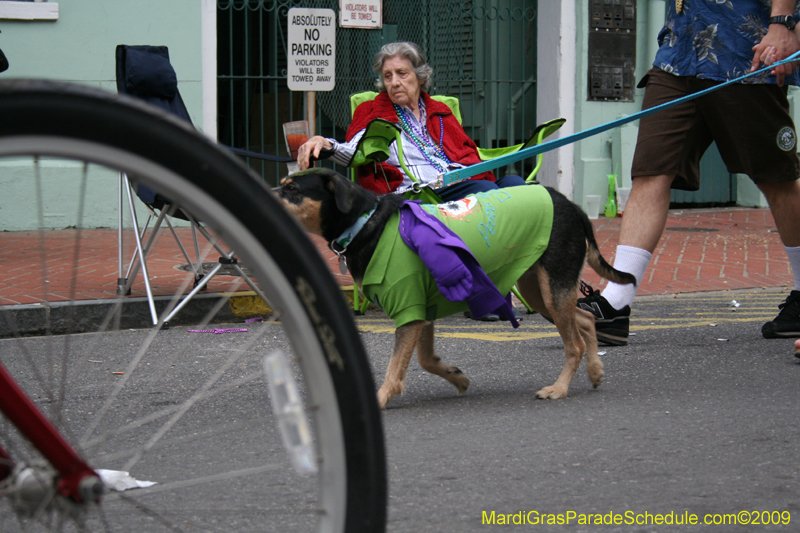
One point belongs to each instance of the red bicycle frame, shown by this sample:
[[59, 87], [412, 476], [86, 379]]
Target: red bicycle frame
[[30, 421]]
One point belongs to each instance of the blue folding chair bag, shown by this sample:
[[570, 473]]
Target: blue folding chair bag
[[146, 73]]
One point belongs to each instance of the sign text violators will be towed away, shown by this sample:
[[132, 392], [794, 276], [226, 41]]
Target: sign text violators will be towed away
[[312, 49]]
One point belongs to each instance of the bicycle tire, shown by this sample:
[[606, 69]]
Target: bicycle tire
[[47, 119]]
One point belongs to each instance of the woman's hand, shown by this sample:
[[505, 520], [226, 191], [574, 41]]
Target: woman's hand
[[778, 44], [311, 147]]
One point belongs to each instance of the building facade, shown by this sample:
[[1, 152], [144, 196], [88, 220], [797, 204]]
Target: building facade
[[512, 63]]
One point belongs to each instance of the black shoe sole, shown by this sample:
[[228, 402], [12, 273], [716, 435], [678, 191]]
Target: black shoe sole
[[484, 318], [613, 332], [613, 340], [770, 333]]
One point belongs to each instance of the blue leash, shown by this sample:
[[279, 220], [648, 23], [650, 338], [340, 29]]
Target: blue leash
[[525, 153]]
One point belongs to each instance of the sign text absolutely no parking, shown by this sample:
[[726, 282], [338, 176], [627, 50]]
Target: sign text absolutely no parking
[[312, 49]]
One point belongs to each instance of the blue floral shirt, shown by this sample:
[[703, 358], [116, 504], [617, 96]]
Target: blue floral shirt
[[713, 39]]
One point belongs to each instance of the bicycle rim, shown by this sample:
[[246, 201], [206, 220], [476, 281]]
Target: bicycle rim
[[184, 408]]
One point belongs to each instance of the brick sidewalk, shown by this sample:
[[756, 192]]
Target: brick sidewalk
[[701, 250], [707, 250], [97, 269]]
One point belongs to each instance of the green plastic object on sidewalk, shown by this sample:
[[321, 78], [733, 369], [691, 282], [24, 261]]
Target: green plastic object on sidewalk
[[611, 205]]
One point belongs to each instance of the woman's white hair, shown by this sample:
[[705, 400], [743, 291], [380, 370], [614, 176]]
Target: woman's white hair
[[406, 50]]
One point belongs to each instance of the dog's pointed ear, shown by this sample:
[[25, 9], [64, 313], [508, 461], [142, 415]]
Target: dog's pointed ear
[[343, 191]]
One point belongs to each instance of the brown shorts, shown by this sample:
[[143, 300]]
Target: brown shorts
[[749, 122]]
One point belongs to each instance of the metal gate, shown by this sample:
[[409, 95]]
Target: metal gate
[[483, 52]]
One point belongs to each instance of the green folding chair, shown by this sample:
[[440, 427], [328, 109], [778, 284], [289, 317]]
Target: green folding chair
[[541, 132], [376, 140], [373, 148]]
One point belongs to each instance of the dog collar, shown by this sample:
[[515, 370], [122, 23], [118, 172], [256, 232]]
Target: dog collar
[[344, 240]]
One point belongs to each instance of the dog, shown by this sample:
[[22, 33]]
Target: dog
[[328, 204]]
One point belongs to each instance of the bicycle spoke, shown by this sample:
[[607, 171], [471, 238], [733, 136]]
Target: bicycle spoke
[[187, 411]]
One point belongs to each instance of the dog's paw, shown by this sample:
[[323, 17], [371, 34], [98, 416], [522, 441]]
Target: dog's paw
[[385, 394], [383, 399], [461, 384], [457, 378], [551, 393], [596, 373]]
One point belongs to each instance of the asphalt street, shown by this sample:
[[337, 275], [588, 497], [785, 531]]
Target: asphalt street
[[697, 417], [696, 421]]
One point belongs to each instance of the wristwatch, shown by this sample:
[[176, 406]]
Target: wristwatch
[[786, 20]]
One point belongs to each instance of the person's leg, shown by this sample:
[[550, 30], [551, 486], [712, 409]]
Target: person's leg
[[760, 140], [642, 227], [669, 147], [461, 189], [784, 202], [510, 180]]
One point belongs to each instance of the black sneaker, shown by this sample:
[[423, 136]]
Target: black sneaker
[[611, 325], [494, 318], [787, 323], [485, 318]]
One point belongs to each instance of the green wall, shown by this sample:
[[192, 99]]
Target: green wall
[[79, 47], [611, 152], [593, 156]]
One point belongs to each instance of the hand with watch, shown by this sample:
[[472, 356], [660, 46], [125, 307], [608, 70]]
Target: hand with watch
[[780, 42], [786, 20]]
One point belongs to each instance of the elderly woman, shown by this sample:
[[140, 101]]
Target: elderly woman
[[433, 140]]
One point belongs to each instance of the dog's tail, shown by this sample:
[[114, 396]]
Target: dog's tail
[[597, 261]]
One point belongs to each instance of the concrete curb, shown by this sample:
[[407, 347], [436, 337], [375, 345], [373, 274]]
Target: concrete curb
[[86, 316]]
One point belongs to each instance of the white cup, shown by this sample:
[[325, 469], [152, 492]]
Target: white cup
[[593, 205], [296, 134], [622, 198]]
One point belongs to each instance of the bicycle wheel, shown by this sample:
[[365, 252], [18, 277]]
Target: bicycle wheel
[[187, 410]]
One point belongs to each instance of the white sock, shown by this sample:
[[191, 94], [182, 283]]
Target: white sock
[[794, 260], [631, 260]]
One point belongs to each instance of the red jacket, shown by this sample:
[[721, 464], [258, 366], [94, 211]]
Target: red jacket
[[457, 145]]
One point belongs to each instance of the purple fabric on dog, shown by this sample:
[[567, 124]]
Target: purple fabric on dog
[[458, 274]]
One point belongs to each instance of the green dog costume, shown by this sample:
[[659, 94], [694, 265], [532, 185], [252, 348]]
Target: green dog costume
[[506, 230]]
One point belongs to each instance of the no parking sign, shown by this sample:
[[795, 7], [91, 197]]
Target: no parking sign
[[312, 49]]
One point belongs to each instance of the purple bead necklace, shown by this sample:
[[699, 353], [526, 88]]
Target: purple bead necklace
[[420, 138]]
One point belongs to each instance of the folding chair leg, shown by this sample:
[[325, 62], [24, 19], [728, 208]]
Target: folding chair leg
[[133, 268], [125, 280], [142, 262], [359, 306], [203, 282], [515, 290], [364, 306], [200, 286], [197, 266], [121, 280], [139, 257], [247, 279], [230, 259], [356, 300]]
